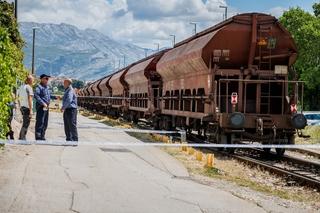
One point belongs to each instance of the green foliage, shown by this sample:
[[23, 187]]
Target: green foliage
[[77, 84], [316, 9], [7, 21], [11, 56], [59, 88], [305, 29]]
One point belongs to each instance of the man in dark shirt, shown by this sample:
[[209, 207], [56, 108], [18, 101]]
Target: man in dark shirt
[[69, 109], [42, 96]]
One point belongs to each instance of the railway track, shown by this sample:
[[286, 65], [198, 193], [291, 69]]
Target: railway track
[[297, 171], [308, 152]]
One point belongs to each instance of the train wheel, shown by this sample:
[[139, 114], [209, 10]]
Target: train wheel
[[291, 139], [229, 141], [267, 150], [167, 124], [156, 123], [280, 151], [199, 132], [135, 119]]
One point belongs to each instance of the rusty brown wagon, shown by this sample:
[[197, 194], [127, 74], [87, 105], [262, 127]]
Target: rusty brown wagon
[[228, 83]]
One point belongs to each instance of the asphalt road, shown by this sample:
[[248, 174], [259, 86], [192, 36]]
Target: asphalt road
[[103, 179]]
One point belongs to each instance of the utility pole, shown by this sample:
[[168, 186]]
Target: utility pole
[[174, 39], [195, 27], [33, 48], [145, 52], [225, 11], [114, 64], [16, 9], [158, 46], [124, 61]]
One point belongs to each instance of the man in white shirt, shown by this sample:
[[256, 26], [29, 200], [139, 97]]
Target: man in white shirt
[[25, 95]]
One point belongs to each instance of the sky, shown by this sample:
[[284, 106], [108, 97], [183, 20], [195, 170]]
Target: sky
[[147, 22]]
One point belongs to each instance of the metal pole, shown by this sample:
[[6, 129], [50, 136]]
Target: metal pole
[[195, 27], [124, 61], [225, 11], [33, 49], [174, 39], [114, 64], [158, 46], [16, 9]]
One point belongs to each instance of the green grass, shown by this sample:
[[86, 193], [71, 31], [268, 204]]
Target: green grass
[[211, 172], [313, 132]]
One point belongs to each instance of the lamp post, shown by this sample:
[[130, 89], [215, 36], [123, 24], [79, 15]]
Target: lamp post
[[124, 60], [16, 9], [225, 11], [145, 52], [33, 48], [158, 46], [174, 39], [195, 27]]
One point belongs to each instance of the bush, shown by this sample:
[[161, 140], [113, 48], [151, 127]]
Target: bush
[[11, 61]]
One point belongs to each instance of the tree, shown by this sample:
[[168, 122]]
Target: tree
[[316, 9], [305, 29], [11, 57], [7, 21], [77, 84]]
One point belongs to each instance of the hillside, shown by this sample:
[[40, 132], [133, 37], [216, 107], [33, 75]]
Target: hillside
[[65, 50]]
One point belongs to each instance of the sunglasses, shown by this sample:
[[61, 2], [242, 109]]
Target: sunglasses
[[46, 79]]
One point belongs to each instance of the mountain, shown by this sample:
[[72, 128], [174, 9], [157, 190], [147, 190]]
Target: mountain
[[65, 50]]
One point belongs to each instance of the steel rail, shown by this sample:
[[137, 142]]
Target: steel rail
[[301, 179]]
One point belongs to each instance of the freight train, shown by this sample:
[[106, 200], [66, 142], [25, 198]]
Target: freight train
[[228, 83]]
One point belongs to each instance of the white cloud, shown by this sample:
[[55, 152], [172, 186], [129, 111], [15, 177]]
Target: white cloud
[[142, 22], [277, 11]]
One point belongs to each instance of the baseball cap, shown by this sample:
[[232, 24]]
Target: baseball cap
[[44, 76]]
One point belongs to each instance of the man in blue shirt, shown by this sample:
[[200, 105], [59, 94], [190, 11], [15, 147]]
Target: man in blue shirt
[[42, 96], [69, 109]]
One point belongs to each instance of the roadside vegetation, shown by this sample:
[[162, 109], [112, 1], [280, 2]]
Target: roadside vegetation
[[11, 61], [253, 178], [312, 133], [305, 29]]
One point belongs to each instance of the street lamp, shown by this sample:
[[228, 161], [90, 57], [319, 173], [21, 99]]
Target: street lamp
[[33, 47], [16, 9], [158, 46], [195, 27], [225, 11], [124, 60], [174, 39], [145, 52]]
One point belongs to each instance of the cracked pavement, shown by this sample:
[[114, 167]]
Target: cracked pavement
[[89, 179]]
